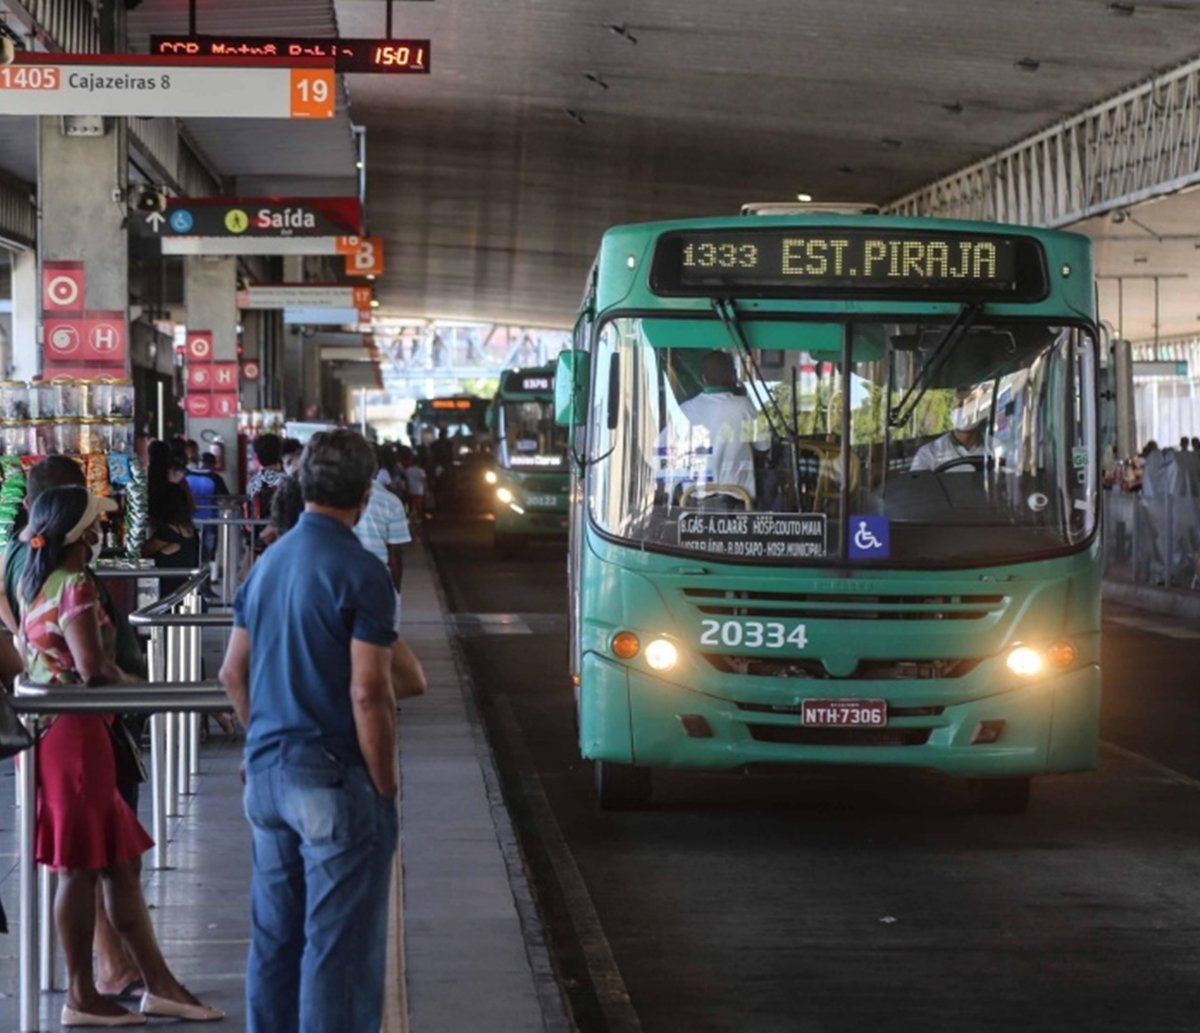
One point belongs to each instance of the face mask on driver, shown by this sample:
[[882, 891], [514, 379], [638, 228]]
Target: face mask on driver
[[961, 420]]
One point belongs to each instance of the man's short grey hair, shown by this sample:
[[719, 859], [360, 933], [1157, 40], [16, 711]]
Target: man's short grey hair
[[336, 469]]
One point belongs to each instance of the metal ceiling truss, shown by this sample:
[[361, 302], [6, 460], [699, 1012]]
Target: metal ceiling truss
[[70, 26], [1140, 144]]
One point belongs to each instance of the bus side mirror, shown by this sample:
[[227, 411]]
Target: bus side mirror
[[570, 388]]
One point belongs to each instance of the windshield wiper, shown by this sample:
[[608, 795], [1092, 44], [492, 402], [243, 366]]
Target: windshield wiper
[[902, 413], [727, 314]]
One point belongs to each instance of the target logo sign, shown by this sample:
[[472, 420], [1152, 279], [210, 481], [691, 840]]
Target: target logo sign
[[200, 346], [62, 286], [62, 339]]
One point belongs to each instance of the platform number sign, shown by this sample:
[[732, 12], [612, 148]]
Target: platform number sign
[[364, 255], [313, 92]]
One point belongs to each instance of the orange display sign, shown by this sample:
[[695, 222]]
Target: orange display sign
[[313, 92], [364, 255]]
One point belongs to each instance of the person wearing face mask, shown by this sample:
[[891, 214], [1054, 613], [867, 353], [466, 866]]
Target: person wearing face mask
[[116, 973], [287, 503], [308, 670], [84, 828], [963, 440]]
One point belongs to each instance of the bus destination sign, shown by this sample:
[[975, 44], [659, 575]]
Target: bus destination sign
[[371, 56], [754, 536], [846, 261], [518, 382]]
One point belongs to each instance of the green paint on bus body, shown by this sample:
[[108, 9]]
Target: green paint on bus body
[[931, 641]]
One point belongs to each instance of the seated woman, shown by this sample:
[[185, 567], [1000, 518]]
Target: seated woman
[[84, 828]]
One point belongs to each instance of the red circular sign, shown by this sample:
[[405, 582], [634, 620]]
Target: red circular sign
[[64, 339], [105, 338], [63, 290], [250, 370], [199, 405]]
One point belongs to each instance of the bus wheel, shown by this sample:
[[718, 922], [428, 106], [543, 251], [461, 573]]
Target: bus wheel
[[999, 795], [622, 786]]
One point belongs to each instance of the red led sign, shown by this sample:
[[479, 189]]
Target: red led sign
[[386, 56]]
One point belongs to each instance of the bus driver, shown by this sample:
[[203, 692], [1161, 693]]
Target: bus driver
[[724, 432], [964, 439]]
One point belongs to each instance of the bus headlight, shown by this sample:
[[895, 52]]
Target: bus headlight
[[504, 495], [490, 477], [662, 655], [1026, 662]]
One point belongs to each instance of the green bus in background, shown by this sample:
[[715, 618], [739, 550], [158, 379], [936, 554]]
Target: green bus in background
[[835, 500], [530, 475]]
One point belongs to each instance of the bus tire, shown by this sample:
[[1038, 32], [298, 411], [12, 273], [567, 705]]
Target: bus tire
[[999, 795], [622, 786]]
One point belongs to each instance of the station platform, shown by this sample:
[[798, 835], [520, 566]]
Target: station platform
[[465, 944]]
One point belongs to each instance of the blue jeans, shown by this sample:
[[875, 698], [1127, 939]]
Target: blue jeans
[[323, 841]]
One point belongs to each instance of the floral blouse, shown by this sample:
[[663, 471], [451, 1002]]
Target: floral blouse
[[64, 597]]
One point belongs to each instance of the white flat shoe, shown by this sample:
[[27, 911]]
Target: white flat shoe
[[74, 1017], [155, 1005]]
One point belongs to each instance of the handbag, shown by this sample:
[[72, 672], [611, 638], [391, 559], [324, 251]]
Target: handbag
[[127, 754], [14, 736], [408, 676]]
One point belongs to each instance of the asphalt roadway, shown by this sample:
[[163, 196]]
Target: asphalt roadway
[[835, 901]]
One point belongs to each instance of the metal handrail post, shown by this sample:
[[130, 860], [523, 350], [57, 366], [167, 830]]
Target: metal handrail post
[[47, 940], [158, 771], [27, 935], [227, 543], [183, 670], [171, 752], [194, 673]]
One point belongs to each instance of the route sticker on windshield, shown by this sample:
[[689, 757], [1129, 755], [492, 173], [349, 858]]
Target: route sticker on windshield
[[1079, 458], [757, 536], [870, 538]]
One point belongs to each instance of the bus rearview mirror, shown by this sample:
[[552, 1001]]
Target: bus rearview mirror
[[570, 388]]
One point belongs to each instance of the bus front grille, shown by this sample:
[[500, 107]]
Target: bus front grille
[[798, 735], [839, 606], [867, 670]]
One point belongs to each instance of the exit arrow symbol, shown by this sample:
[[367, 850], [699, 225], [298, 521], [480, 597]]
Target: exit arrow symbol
[[156, 219]]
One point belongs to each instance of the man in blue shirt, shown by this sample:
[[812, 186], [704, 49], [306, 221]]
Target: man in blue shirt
[[308, 672]]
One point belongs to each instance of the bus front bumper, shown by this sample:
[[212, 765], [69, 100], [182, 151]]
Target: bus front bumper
[[1050, 725]]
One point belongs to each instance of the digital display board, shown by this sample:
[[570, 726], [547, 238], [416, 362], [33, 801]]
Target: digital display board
[[516, 382], [384, 56], [849, 262], [457, 404]]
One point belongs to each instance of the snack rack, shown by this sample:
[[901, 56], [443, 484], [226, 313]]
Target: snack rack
[[92, 422]]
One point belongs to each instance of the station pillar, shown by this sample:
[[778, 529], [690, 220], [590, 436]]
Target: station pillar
[[210, 295], [25, 355]]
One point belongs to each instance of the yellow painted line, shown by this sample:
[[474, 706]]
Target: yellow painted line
[[395, 995], [1171, 774]]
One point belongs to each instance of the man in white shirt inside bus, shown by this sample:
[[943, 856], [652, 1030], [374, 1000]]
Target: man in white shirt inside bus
[[965, 438], [724, 431]]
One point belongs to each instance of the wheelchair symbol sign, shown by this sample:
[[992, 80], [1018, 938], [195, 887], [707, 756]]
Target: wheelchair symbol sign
[[869, 538]]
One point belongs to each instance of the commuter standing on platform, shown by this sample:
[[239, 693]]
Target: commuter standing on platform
[[308, 672]]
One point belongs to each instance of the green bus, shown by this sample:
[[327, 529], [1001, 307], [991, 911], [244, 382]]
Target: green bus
[[530, 475], [834, 500]]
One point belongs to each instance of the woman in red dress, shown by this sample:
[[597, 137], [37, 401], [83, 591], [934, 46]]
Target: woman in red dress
[[85, 829]]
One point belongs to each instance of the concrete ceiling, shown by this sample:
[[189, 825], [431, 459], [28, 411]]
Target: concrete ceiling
[[545, 121], [492, 196]]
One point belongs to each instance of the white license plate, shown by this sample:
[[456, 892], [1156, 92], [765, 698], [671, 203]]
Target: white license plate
[[844, 713]]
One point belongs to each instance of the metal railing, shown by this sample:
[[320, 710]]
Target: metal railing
[[230, 549], [1154, 541], [36, 942]]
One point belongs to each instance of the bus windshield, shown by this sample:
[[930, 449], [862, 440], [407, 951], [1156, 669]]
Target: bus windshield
[[529, 437], [845, 441]]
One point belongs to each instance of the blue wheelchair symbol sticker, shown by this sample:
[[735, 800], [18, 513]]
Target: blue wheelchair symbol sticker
[[869, 538], [182, 220]]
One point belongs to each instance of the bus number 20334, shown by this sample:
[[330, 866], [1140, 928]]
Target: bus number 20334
[[752, 634]]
